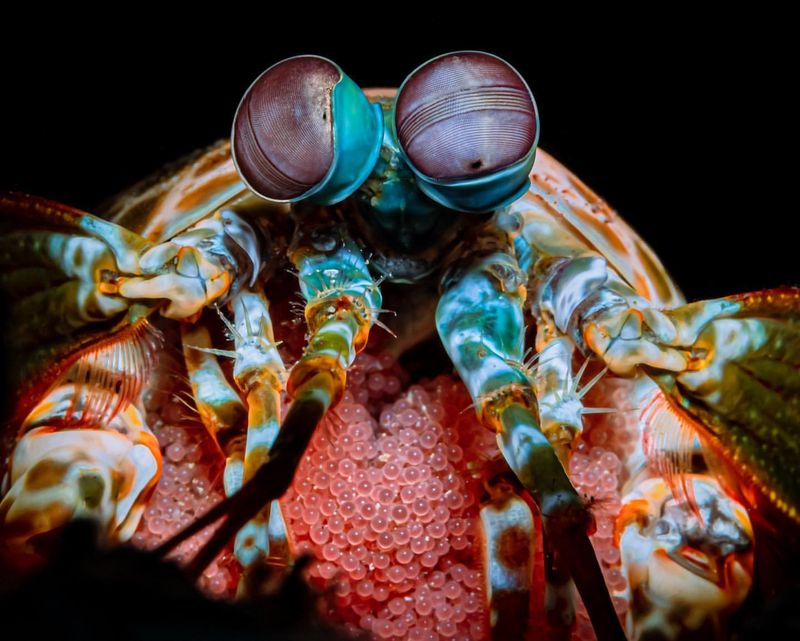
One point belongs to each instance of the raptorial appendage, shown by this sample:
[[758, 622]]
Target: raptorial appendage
[[206, 263], [687, 570], [730, 363], [741, 390], [82, 446], [584, 307], [68, 272], [84, 450], [586, 300]]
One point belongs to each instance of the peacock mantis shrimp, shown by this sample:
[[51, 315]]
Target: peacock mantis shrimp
[[438, 184]]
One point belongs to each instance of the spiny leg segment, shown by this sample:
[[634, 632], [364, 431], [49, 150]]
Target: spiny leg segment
[[480, 321], [260, 373], [342, 301]]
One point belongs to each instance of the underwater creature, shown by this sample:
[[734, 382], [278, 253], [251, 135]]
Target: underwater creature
[[434, 200]]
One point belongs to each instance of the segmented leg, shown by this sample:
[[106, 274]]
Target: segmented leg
[[218, 403], [195, 268], [480, 321], [342, 301], [260, 374], [583, 298], [69, 278], [220, 408], [509, 534], [104, 264]]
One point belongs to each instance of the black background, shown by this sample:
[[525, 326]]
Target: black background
[[686, 126]]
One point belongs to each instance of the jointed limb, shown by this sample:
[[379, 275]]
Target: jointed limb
[[61, 470], [67, 270], [217, 402], [342, 301], [583, 298], [480, 321], [204, 264], [260, 374]]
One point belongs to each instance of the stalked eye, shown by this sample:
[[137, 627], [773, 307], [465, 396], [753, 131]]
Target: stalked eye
[[283, 133], [305, 130], [463, 119]]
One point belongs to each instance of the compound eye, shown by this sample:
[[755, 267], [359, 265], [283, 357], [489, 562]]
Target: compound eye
[[465, 115], [283, 134], [293, 123]]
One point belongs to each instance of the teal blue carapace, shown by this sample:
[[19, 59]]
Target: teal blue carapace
[[392, 186], [357, 137], [484, 193]]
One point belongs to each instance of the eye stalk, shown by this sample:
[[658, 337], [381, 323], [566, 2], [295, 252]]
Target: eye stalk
[[304, 130], [467, 125]]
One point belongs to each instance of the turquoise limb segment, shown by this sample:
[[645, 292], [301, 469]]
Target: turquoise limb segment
[[329, 263], [342, 298], [357, 137], [480, 321]]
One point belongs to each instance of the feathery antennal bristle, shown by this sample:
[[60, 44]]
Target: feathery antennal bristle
[[247, 324], [668, 440], [598, 410], [111, 373], [182, 400], [227, 353]]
